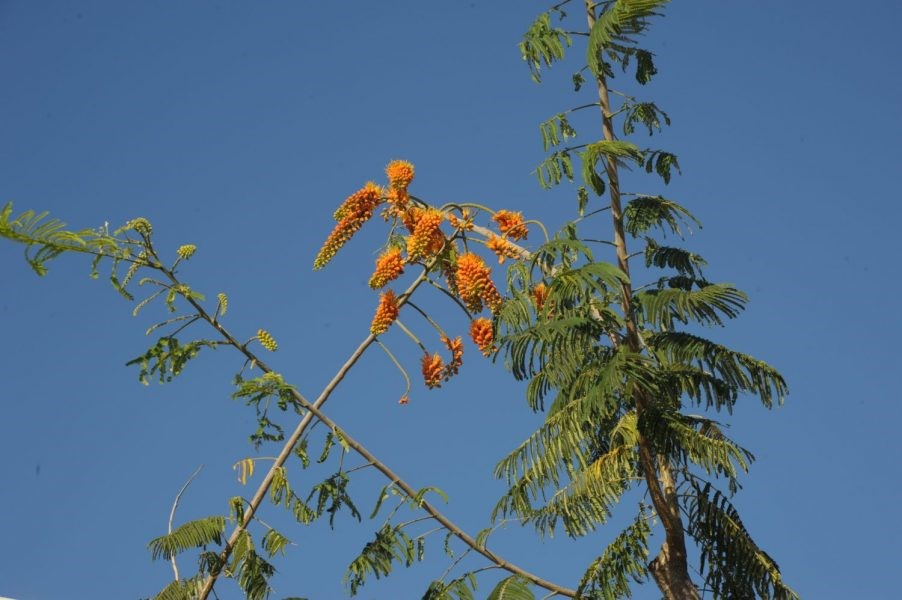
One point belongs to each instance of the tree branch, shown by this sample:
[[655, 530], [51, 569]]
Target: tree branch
[[175, 505]]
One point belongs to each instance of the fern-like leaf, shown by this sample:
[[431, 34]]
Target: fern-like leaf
[[620, 21], [625, 559], [734, 565], [706, 306], [193, 534], [646, 212], [543, 44], [739, 371], [512, 588]]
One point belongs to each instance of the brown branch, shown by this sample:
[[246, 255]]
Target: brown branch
[[313, 410]]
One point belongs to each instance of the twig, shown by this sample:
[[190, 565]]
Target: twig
[[175, 505]]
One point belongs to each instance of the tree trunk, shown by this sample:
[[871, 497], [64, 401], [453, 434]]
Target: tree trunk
[[670, 568]]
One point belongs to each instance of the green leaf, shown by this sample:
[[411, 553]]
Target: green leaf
[[735, 566], [625, 559], [737, 370], [512, 588], [660, 308], [543, 44], [274, 542], [618, 24], [645, 212], [418, 499], [193, 534]]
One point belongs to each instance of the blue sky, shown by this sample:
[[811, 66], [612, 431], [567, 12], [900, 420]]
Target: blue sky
[[240, 126]]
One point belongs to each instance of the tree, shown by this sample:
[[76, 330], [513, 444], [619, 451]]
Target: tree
[[623, 362], [619, 371]]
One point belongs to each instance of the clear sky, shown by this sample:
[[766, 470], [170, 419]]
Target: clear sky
[[239, 126]]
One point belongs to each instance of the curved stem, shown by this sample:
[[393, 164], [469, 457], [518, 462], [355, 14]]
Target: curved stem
[[175, 505]]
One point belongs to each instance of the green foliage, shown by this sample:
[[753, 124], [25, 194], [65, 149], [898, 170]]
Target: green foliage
[[617, 367], [391, 544], [555, 130], [180, 589], [167, 358], [737, 371], [249, 569], [543, 44], [259, 393], [512, 588], [619, 152], [643, 113], [709, 305], [193, 534], [555, 168], [274, 542], [666, 257], [625, 559], [735, 566], [644, 213], [662, 163], [461, 588], [332, 495], [614, 32]]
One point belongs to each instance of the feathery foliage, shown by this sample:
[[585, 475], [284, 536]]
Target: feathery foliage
[[618, 366]]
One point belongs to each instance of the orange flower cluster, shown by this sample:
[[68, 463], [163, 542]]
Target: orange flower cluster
[[501, 247], [352, 214], [456, 348], [511, 224], [464, 222], [482, 335], [433, 370], [386, 313], [539, 295], [370, 194], [411, 217], [397, 203], [427, 237], [474, 283], [400, 174], [389, 267]]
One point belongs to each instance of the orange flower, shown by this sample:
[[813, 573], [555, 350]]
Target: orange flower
[[353, 213], [410, 217], [397, 202], [427, 237], [369, 195], [386, 313], [389, 267], [511, 224], [539, 295], [464, 222], [483, 336], [456, 348], [400, 174], [433, 370], [501, 247], [474, 283], [404, 399]]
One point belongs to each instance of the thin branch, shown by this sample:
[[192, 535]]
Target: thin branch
[[313, 409], [175, 505]]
